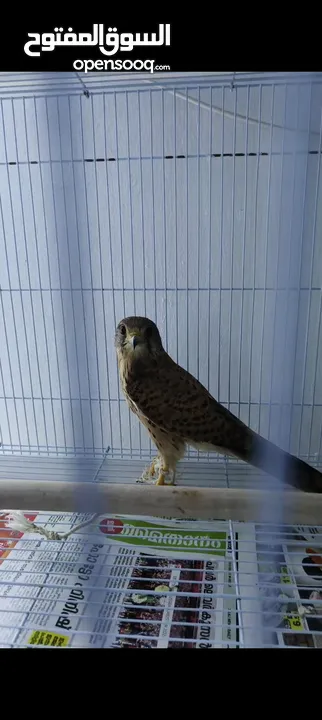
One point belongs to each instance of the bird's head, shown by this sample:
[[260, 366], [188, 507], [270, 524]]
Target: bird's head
[[137, 338]]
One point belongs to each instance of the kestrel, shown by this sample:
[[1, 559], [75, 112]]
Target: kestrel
[[177, 411]]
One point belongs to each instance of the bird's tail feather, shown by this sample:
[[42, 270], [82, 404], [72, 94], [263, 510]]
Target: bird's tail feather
[[266, 456]]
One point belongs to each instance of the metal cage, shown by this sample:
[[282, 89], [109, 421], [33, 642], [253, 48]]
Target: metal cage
[[194, 199]]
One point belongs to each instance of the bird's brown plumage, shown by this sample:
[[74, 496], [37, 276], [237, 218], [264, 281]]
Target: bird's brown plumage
[[177, 410]]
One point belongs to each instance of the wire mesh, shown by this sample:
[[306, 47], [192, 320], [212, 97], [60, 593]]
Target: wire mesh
[[156, 584], [196, 205], [194, 200]]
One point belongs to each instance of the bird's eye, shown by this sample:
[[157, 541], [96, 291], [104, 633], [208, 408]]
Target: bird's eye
[[123, 330]]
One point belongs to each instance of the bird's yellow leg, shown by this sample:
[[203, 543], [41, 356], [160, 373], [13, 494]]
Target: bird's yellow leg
[[151, 470], [164, 472], [162, 475]]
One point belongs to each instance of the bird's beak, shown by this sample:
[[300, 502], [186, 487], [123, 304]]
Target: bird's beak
[[135, 338], [134, 341]]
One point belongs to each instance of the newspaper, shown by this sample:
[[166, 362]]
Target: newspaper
[[131, 582], [290, 582], [148, 582]]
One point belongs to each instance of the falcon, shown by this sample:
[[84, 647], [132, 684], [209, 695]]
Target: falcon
[[177, 410]]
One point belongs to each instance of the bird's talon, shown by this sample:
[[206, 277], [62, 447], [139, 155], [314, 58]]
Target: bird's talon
[[161, 479], [144, 479], [150, 472], [152, 469], [166, 475]]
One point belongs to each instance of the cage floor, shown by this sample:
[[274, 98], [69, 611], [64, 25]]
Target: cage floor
[[124, 470], [153, 583]]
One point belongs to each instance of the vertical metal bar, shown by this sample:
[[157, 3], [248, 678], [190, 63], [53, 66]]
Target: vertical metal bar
[[244, 250], [132, 247], [255, 253], [210, 233], [318, 177], [187, 297], [142, 210], [221, 256], [278, 263], [232, 246], [287, 361], [81, 266], [302, 246], [221, 228], [176, 215], [50, 280], [112, 273], [41, 296], [130, 197], [209, 245], [120, 219], [266, 256], [59, 272], [236, 579], [104, 314], [101, 279], [153, 207], [71, 285], [198, 231], [153, 229], [164, 213]]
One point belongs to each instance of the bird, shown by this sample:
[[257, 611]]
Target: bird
[[178, 411]]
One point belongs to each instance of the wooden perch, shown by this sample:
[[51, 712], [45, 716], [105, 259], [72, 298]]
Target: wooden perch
[[177, 502]]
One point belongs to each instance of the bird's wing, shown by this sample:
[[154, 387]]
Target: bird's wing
[[176, 402]]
